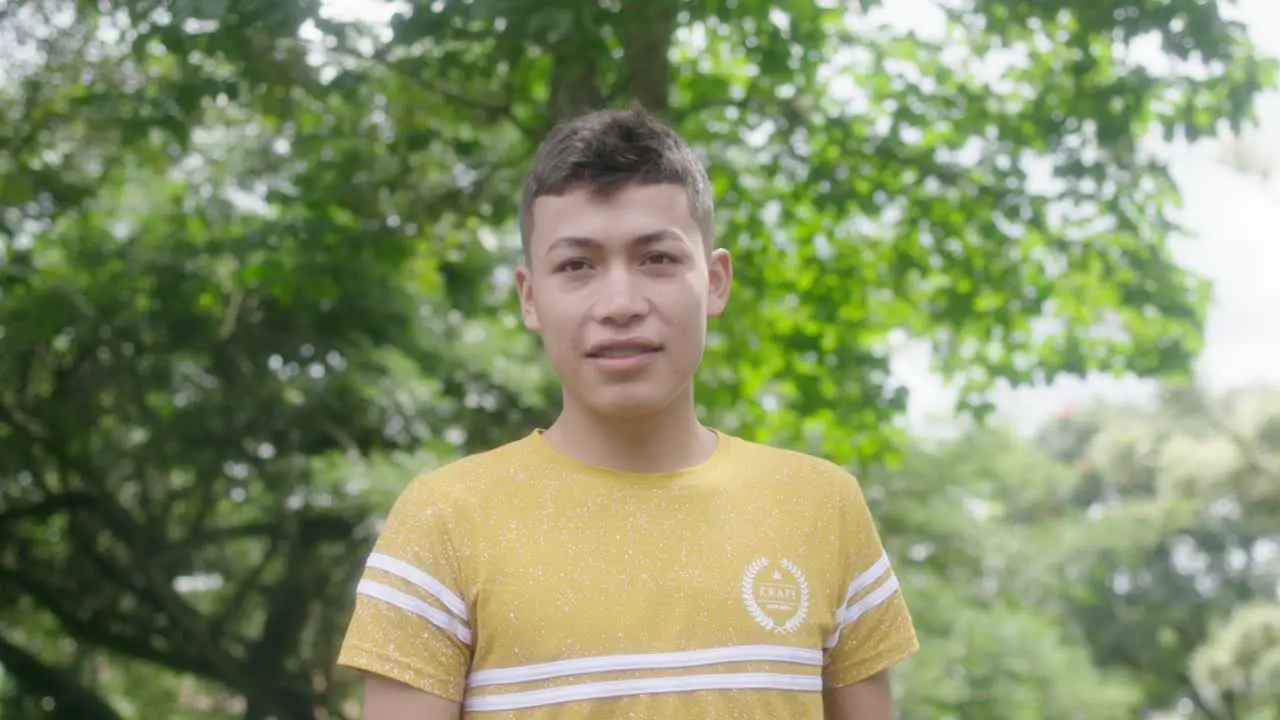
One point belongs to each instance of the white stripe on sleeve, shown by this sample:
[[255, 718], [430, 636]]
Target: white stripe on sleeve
[[418, 607], [422, 579]]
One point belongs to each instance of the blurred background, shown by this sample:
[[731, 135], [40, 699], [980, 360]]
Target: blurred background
[[1009, 260]]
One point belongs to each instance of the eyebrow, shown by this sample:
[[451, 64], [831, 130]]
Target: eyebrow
[[645, 240]]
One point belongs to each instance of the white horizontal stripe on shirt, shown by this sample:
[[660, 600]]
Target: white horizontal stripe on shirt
[[852, 612], [422, 579], [418, 607], [646, 661], [870, 575], [643, 686], [871, 601]]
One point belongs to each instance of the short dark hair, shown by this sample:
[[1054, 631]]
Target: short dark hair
[[608, 150]]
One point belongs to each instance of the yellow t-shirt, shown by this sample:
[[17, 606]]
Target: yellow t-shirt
[[528, 585]]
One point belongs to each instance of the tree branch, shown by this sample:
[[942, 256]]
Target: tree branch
[[72, 701], [45, 509], [100, 631]]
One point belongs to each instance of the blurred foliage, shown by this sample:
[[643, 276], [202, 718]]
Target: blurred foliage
[[255, 272], [1183, 583]]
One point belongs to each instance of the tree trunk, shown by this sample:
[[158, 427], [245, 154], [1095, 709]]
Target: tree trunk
[[575, 73], [646, 44]]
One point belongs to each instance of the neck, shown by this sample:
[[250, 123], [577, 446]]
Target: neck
[[671, 440]]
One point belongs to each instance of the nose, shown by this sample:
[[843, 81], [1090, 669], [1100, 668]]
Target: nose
[[621, 301]]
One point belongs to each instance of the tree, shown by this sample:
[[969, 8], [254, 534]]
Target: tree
[[250, 267], [1238, 669], [987, 600], [1178, 582], [1122, 565]]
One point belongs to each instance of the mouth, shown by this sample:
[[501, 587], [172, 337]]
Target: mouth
[[623, 350]]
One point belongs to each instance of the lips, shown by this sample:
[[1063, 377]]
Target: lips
[[622, 348]]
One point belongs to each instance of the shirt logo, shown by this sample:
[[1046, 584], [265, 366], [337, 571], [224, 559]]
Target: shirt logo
[[776, 594]]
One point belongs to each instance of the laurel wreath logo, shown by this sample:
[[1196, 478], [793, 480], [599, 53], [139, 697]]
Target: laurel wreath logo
[[757, 613], [749, 593]]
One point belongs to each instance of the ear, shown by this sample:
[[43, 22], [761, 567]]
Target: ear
[[720, 280], [524, 288]]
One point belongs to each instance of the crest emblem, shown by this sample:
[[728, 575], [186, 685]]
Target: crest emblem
[[776, 594]]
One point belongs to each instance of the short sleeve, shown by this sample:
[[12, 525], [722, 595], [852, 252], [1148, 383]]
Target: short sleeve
[[874, 630], [410, 621]]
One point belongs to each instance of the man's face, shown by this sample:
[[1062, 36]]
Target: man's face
[[620, 289]]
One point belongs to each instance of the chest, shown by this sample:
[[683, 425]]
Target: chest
[[621, 576]]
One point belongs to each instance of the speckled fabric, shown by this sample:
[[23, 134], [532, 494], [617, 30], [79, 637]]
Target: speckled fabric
[[528, 585]]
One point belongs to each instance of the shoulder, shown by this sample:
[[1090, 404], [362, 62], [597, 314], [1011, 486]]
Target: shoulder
[[457, 483], [797, 470], [438, 509]]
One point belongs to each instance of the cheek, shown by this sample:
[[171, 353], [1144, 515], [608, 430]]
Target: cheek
[[559, 323], [689, 304], [691, 320]]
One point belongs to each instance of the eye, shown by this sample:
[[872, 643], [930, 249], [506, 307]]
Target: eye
[[661, 258], [574, 265]]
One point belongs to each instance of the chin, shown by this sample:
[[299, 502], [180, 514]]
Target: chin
[[628, 408], [627, 403]]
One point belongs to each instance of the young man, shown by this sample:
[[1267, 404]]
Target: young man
[[627, 561]]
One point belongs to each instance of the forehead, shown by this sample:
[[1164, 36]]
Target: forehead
[[634, 211]]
